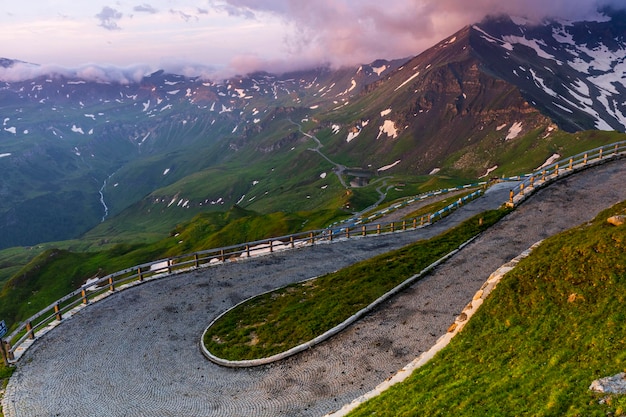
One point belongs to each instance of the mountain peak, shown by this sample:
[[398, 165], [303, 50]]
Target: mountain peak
[[8, 63], [456, 108], [573, 71]]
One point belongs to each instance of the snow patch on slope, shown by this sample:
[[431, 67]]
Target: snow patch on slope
[[514, 131], [555, 157], [387, 167], [388, 128], [489, 171], [408, 81]]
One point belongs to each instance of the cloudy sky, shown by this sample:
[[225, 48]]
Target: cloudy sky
[[193, 36]]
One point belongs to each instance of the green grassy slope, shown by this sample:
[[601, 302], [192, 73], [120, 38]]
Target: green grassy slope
[[282, 319], [279, 173], [551, 327], [54, 273]]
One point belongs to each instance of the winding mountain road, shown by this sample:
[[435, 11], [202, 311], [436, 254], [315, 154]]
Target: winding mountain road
[[339, 169], [136, 353]]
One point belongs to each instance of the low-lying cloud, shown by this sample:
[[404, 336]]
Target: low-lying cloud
[[96, 73], [320, 32]]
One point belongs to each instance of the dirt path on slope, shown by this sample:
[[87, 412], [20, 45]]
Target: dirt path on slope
[[136, 353]]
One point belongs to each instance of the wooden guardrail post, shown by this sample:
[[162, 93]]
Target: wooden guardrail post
[[600, 154], [291, 242], [571, 163], [392, 227], [348, 232], [403, 224], [556, 170], [511, 196], [543, 175], [196, 262], [169, 266], [521, 189], [615, 151], [585, 160], [532, 181], [312, 237], [139, 274], [378, 229], [414, 223], [5, 358], [247, 250], [83, 294], [330, 235], [363, 230], [57, 312], [222, 257], [272, 245], [9, 350], [29, 330]]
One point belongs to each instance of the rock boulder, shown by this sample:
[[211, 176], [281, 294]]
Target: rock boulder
[[611, 385]]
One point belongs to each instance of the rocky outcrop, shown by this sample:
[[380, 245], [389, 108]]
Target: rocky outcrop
[[615, 384]]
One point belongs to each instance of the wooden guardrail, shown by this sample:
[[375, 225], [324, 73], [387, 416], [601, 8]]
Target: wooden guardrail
[[567, 166], [94, 290], [48, 318], [410, 200]]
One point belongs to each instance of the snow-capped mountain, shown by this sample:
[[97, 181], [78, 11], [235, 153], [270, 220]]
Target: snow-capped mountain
[[79, 148], [62, 137], [575, 72]]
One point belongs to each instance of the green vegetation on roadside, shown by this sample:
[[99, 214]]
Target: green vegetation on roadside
[[552, 326], [277, 321], [434, 207], [5, 374], [54, 272]]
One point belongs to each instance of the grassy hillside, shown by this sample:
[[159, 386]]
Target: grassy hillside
[[276, 171], [277, 321], [55, 272], [551, 327]]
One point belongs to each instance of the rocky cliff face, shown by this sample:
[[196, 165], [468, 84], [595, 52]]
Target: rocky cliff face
[[442, 102], [572, 71]]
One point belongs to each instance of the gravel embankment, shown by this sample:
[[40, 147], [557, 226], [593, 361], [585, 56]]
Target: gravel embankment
[[137, 353]]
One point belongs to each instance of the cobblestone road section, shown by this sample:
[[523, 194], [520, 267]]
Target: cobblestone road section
[[137, 352]]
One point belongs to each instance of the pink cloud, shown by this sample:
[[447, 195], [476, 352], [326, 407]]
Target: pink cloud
[[351, 32], [101, 74]]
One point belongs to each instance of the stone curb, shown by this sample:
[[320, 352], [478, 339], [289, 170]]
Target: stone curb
[[329, 333], [443, 341]]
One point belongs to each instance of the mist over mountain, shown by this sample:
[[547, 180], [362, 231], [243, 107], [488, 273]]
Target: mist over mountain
[[122, 148]]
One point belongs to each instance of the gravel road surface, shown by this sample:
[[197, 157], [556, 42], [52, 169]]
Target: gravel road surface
[[137, 353]]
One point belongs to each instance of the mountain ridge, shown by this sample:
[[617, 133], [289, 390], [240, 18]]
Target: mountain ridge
[[169, 146]]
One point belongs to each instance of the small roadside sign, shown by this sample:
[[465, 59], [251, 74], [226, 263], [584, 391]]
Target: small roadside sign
[[3, 328]]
